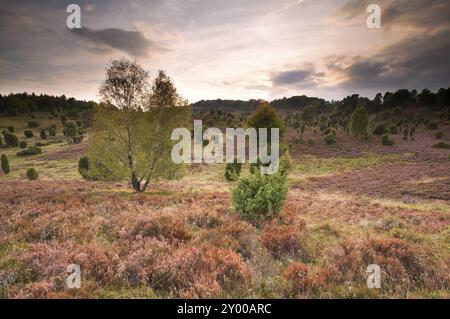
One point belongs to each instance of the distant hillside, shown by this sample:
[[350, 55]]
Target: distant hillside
[[19, 103], [402, 98], [284, 105]]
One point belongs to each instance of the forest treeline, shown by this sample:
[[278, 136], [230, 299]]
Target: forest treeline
[[20, 103], [14, 104]]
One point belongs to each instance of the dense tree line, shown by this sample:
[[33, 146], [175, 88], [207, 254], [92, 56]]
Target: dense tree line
[[402, 98], [15, 104]]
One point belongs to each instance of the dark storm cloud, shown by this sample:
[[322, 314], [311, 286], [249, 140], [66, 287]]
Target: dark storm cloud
[[417, 62], [422, 14], [299, 77], [132, 42]]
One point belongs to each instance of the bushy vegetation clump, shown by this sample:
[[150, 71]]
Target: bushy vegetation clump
[[233, 171], [51, 131], [28, 133], [33, 124], [31, 150], [442, 144], [439, 135], [23, 144], [330, 139], [432, 126], [259, 197], [11, 139], [380, 129], [359, 122], [11, 129], [386, 141], [83, 167], [5, 164], [43, 134], [32, 174]]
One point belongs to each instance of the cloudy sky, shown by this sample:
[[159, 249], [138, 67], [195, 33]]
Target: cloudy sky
[[229, 49]]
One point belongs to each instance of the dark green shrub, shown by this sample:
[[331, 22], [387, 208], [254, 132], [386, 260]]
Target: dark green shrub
[[233, 171], [43, 134], [32, 174], [379, 130], [51, 131], [386, 141], [31, 150], [311, 141], [28, 133], [11, 129], [359, 122], [393, 129], [439, 135], [327, 131], [23, 144], [432, 126], [42, 144], [5, 164], [33, 124], [397, 111], [83, 167], [77, 139], [405, 134], [259, 197], [330, 139], [70, 131], [11, 140], [442, 144]]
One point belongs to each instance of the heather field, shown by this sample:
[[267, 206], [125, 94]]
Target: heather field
[[349, 205]]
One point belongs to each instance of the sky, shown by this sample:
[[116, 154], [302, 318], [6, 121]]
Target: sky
[[228, 49]]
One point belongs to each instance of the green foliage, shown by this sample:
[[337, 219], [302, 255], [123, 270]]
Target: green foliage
[[266, 117], [380, 129], [432, 126], [393, 129], [32, 174], [11, 129], [442, 145], [439, 135], [233, 171], [51, 131], [23, 144], [260, 197], [83, 167], [133, 140], [359, 122], [33, 124], [43, 134], [70, 130], [5, 164], [330, 139], [11, 140], [311, 141], [28, 133], [386, 141], [31, 150]]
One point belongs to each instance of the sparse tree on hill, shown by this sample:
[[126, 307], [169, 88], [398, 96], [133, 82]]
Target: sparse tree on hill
[[266, 117], [70, 131], [5, 164], [359, 122], [131, 135]]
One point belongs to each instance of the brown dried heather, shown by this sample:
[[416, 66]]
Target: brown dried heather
[[403, 265], [200, 272], [283, 240], [161, 227]]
